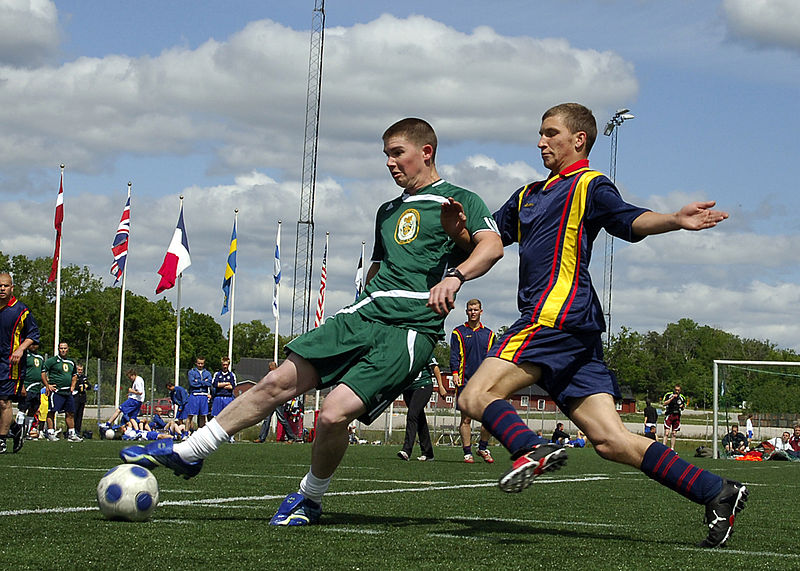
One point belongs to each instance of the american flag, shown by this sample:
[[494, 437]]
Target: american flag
[[120, 246], [59, 219], [320, 315]]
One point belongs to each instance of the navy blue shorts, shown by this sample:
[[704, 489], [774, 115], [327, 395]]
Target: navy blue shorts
[[181, 414], [131, 408], [8, 388], [220, 403], [571, 363], [198, 404], [61, 403]]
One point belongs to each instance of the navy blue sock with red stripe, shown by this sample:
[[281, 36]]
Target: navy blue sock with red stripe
[[501, 419], [663, 465]]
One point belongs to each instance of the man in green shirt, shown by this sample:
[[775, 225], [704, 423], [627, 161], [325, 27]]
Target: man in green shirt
[[61, 377], [34, 383], [371, 351]]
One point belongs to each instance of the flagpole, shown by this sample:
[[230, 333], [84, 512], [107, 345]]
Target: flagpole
[[276, 291], [121, 321], [57, 328], [320, 315], [178, 325], [233, 295]]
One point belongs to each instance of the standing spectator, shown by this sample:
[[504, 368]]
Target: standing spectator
[[735, 442], [34, 383], [61, 380], [559, 436], [674, 403], [650, 420], [468, 346], [81, 386], [180, 398], [18, 331], [199, 393], [223, 383], [748, 428], [130, 408], [417, 397], [280, 415]]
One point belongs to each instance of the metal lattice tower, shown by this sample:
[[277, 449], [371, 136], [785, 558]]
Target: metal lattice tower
[[608, 265], [304, 244]]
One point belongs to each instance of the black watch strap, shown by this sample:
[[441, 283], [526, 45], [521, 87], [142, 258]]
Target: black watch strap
[[455, 273]]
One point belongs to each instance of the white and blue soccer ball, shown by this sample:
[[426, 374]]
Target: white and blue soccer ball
[[127, 492]]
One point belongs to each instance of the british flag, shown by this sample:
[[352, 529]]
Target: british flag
[[120, 246]]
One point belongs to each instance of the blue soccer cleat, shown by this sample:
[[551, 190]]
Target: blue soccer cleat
[[296, 509], [159, 453]]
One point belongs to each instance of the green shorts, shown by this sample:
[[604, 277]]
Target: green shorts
[[377, 361]]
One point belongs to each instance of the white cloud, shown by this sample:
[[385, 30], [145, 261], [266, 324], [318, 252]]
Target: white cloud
[[771, 23], [244, 98], [28, 31]]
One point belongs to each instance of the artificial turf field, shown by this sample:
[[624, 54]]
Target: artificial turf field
[[383, 513]]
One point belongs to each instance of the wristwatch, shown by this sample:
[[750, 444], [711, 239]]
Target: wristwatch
[[455, 273]]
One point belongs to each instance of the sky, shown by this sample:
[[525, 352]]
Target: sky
[[207, 100]]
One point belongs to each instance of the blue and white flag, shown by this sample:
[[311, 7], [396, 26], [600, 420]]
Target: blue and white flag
[[276, 274]]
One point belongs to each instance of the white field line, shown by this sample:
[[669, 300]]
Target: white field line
[[728, 551], [219, 502]]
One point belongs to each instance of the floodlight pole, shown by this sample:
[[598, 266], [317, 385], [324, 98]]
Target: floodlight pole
[[611, 130]]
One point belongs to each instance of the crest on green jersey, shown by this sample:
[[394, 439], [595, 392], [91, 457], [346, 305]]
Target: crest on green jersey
[[407, 226]]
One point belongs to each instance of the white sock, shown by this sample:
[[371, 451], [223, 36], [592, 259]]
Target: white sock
[[71, 432], [202, 443], [314, 488]]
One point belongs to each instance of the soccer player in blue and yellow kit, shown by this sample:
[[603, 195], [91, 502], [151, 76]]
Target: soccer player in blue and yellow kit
[[556, 342], [469, 343], [18, 331]]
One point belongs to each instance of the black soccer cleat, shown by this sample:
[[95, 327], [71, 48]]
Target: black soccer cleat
[[722, 510], [19, 436]]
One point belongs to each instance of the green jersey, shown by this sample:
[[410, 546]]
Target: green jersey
[[425, 376], [414, 251], [33, 371], [59, 373]]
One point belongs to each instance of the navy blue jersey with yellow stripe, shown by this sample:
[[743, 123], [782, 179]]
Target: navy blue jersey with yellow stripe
[[468, 348], [16, 325], [555, 222]]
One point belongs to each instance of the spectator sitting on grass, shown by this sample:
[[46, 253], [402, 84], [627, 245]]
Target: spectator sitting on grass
[[735, 442]]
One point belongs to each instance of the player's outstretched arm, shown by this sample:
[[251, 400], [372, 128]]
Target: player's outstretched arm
[[693, 216]]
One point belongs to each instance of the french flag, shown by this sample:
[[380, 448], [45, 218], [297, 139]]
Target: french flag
[[177, 258]]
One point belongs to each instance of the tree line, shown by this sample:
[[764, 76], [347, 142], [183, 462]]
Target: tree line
[[149, 335], [649, 363]]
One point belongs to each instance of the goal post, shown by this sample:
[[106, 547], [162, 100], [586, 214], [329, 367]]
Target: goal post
[[715, 387]]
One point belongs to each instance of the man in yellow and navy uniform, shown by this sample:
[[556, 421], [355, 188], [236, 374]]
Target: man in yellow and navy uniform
[[18, 331]]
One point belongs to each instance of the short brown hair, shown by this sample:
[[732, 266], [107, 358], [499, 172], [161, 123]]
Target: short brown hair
[[130, 373], [418, 131], [576, 118], [475, 301]]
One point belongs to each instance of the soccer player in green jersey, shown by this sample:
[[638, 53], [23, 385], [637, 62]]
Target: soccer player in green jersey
[[371, 351], [61, 378]]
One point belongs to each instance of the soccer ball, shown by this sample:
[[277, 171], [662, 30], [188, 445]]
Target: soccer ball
[[127, 492], [110, 434]]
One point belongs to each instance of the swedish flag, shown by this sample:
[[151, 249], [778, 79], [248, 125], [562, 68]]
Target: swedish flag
[[230, 270]]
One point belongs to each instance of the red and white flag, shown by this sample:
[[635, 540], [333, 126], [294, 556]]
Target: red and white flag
[[320, 315], [57, 223], [177, 258]]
